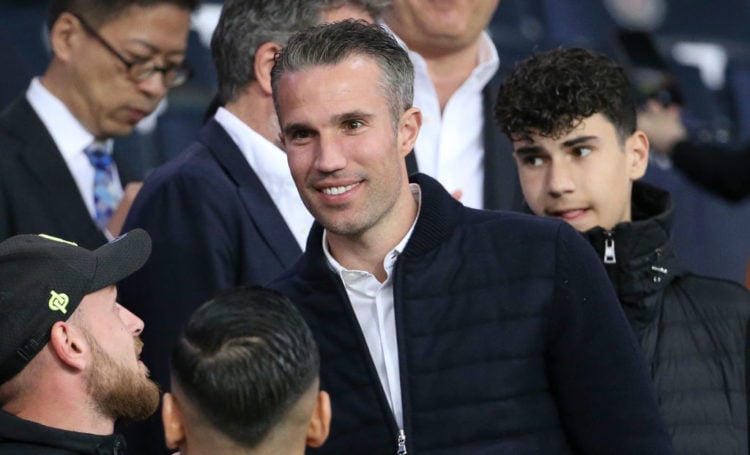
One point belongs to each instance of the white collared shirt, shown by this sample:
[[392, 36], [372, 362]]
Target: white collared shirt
[[270, 165], [373, 304], [450, 145], [71, 138]]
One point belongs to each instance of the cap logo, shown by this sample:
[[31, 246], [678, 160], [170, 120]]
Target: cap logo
[[58, 302]]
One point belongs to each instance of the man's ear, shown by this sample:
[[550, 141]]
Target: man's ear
[[408, 129], [265, 57], [70, 346], [65, 35], [320, 423], [173, 421], [637, 147]]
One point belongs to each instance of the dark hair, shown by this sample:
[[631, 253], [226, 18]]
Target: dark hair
[[245, 25], [244, 359], [550, 92], [99, 12], [329, 44]]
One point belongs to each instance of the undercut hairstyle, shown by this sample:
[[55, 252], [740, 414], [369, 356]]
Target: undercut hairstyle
[[550, 93], [244, 360], [99, 12], [244, 25], [330, 44]]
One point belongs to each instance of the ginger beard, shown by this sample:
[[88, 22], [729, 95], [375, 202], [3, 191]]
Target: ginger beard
[[117, 391]]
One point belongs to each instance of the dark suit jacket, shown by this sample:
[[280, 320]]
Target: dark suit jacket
[[213, 227], [37, 191], [502, 191]]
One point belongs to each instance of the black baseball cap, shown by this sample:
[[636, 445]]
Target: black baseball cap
[[44, 278]]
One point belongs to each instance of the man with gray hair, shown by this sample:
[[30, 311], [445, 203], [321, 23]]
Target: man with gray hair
[[441, 328], [225, 211]]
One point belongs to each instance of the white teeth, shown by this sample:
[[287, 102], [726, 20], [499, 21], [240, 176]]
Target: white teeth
[[338, 189]]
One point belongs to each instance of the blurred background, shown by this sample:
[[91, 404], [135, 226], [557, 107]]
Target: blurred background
[[692, 52]]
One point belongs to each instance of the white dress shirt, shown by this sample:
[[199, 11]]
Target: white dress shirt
[[270, 165], [450, 145], [71, 138], [372, 302]]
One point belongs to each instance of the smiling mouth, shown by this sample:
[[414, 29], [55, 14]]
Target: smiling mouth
[[569, 214], [336, 190]]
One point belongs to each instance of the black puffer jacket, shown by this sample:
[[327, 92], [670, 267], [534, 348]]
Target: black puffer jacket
[[20, 437], [693, 329]]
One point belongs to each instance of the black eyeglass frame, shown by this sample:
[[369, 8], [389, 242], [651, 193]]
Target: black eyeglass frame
[[173, 76]]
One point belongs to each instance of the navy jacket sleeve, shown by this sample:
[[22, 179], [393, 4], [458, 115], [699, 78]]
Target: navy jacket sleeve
[[595, 363]]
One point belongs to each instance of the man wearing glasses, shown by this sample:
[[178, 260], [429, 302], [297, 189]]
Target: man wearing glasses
[[112, 63]]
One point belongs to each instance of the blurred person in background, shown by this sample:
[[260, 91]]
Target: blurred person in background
[[716, 168], [112, 62], [456, 68]]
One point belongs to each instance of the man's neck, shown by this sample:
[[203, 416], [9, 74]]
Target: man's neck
[[448, 70], [256, 110], [367, 251]]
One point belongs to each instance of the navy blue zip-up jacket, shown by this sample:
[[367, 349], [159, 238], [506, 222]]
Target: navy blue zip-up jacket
[[510, 341]]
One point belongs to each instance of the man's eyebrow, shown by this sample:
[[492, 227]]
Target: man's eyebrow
[[529, 150], [354, 115], [156, 50], [578, 140], [292, 127]]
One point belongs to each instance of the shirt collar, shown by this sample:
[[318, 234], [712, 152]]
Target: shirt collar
[[263, 155], [488, 60], [67, 132]]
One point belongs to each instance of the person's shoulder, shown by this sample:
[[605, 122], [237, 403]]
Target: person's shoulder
[[718, 293], [525, 223], [194, 163]]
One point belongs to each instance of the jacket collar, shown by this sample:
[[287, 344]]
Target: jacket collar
[[645, 259], [19, 431]]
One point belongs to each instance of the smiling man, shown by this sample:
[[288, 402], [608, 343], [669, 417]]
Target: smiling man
[[427, 312], [112, 63], [572, 120], [69, 353]]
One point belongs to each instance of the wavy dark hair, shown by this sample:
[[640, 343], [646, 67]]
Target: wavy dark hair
[[550, 93]]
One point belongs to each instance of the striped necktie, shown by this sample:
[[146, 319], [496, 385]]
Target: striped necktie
[[106, 193]]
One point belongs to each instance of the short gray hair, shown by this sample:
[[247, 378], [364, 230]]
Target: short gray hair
[[329, 44], [245, 25]]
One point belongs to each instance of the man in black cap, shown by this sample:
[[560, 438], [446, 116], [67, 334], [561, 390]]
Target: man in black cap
[[69, 352]]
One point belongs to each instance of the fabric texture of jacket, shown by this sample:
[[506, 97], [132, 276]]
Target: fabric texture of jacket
[[693, 329], [37, 191], [22, 437], [510, 341]]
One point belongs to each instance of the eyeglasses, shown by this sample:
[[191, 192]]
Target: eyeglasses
[[142, 69]]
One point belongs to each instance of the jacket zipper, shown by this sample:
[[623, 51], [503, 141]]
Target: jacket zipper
[[609, 248], [401, 443]]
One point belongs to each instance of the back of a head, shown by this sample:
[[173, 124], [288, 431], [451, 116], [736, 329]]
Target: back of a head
[[329, 44], [245, 25], [550, 92], [244, 360], [100, 12]]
